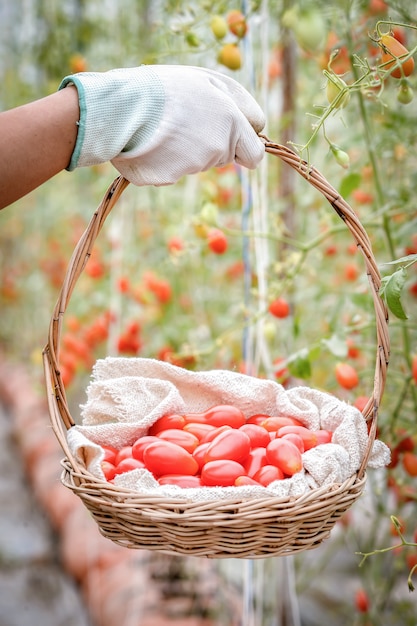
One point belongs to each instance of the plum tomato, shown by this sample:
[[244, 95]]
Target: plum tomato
[[221, 473], [285, 455], [200, 453], [167, 421], [123, 453], [212, 434], [392, 51], [140, 445], [257, 434], [231, 444], [267, 474], [323, 436], [296, 440], [255, 460], [109, 470], [258, 418], [309, 437], [109, 454], [245, 480], [197, 429], [181, 480], [275, 423], [128, 464], [164, 457], [186, 440], [225, 414]]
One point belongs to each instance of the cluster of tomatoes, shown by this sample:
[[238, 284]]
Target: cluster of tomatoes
[[217, 448]]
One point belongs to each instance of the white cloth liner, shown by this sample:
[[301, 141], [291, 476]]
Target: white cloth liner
[[127, 395]]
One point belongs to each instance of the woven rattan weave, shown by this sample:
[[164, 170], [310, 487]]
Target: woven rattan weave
[[221, 529]]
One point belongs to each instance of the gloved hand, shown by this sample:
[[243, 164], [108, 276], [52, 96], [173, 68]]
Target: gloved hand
[[157, 123]]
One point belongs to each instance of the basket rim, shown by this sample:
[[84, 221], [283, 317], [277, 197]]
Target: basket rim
[[59, 411]]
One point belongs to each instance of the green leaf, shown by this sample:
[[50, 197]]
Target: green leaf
[[391, 289], [336, 345], [409, 259], [349, 184], [300, 366]]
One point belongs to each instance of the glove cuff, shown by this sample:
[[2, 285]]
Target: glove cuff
[[106, 129]]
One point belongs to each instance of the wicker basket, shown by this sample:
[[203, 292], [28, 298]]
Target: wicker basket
[[222, 529]]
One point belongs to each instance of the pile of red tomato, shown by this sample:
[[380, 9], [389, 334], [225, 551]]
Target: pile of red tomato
[[217, 448]]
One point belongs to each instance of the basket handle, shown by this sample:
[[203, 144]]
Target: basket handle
[[58, 406]]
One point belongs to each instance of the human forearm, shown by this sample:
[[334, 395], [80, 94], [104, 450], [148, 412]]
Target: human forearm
[[37, 141]]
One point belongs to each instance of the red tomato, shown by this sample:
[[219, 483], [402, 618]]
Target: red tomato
[[195, 418], [128, 464], [285, 455], [109, 454], [323, 436], [217, 241], [267, 474], [275, 423], [296, 440], [109, 470], [361, 601], [140, 445], [245, 480], [180, 480], [392, 50], [200, 453], [309, 437], [257, 419], [232, 444], [188, 441], [221, 473], [346, 375], [258, 436], [123, 453], [410, 463], [212, 434], [197, 429], [225, 414], [163, 457], [279, 308], [167, 421], [255, 460]]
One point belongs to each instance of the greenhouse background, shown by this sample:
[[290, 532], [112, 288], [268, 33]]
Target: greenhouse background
[[154, 287]]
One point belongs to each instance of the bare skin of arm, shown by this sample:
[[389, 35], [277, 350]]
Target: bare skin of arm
[[37, 141]]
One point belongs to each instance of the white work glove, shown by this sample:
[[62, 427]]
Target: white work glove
[[157, 123]]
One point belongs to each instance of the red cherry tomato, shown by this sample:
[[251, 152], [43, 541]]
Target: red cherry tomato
[[163, 457], [221, 473], [128, 464], [225, 414], [309, 437], [231, 444], [258, 436], [140, 445], [255, 460], [267, 474], [188, 441], [167, 421], [180, 480], [285, 455]]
